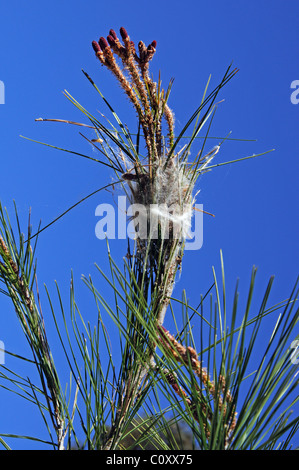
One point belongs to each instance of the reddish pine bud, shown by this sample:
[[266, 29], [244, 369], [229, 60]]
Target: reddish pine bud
[[113, 34], [123, 33], [152, 46], [111, 40], [96, 46], [103, 43]]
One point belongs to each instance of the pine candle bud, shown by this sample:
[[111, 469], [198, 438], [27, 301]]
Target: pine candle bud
[[111, 40], [142, 51], [103, 43], [96, 46], [113, 34], [123, 33]]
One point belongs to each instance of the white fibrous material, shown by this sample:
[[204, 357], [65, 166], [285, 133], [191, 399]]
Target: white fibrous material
[[173, 205], [162, 204]]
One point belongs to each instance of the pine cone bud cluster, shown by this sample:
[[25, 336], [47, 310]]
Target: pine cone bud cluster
[[104, 46]]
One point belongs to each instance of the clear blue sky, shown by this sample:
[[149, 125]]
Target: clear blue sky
[[44, 46]]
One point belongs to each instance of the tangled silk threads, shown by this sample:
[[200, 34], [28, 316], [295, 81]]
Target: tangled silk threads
[[161, 206]]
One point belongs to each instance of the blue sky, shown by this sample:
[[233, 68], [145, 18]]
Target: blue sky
[[44, 46]]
